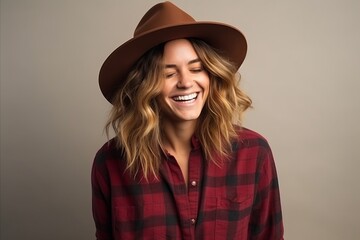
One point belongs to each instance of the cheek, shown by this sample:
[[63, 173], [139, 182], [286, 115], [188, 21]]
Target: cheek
[[166, 88], [163, 98]]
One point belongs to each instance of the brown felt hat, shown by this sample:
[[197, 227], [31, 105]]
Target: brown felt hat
[[162, 23]]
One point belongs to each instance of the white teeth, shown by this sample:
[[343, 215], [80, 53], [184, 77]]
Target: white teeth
[[185, 97]]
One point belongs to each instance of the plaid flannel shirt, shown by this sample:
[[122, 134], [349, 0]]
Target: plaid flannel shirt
[[237, 200]]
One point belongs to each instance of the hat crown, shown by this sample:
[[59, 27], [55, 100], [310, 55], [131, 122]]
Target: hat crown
[[162, 15]]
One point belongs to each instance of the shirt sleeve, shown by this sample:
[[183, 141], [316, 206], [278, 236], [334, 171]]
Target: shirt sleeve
[[101, 204], [266, 217]]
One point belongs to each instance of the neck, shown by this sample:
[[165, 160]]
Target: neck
[[177, 136]]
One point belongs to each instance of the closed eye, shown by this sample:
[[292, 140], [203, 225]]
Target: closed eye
[[169, 75], [196, 70]]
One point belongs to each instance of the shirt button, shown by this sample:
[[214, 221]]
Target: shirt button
[[192, 221], [193, 183]]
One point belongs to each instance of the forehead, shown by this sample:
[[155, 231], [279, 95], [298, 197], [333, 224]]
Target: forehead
[[179, 50]]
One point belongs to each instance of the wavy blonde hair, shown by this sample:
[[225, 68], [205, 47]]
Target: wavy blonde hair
[[135, 115]]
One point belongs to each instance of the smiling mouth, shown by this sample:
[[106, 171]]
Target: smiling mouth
[[185, 98]]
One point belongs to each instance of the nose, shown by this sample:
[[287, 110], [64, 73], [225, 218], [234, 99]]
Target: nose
[[185, 80]]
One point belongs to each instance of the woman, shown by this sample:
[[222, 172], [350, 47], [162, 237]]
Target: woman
[[181, 165]]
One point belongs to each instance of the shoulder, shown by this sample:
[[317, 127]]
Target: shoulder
[[248, 133], [252, 151], [247, 138], [109, 152], [108, 164]]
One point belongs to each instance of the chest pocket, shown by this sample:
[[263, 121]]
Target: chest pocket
[[225, 218]]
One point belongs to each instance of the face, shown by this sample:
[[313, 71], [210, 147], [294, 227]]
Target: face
[[186, 83]]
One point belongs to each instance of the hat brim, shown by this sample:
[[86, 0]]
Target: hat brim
[[229, 40]]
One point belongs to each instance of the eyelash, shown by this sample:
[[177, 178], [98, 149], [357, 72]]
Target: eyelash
[[169, 75], [197, 70]]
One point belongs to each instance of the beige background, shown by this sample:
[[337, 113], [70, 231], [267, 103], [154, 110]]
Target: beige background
[[302, 71]]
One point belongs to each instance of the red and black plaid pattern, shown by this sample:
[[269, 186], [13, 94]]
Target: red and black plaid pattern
[[237, 200]]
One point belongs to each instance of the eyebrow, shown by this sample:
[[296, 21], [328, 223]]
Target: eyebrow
[[189, 63]]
